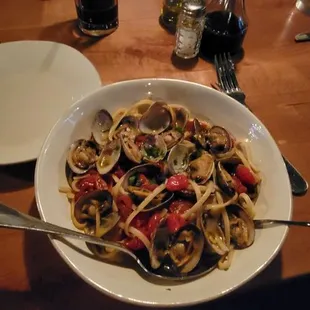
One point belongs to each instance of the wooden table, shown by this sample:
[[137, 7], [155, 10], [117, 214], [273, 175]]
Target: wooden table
[[275, 74]]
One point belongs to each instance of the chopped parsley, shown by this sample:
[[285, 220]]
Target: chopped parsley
[[179, 129]]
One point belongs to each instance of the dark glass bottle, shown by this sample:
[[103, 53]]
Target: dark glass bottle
[[225, 28]]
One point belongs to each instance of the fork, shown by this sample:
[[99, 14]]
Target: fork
[[228, 83]]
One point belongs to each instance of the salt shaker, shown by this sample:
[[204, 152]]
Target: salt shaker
[[190, 26]]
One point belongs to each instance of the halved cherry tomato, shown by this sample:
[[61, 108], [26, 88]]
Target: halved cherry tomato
[[190, 126], [119, 172], [175, 222], [124, 204], [145, 183], [245, 175], [143, 179], [140, 140], [140, 220], [154, 221], [177, 182], [180, 206], [135, 243], [90, 183], [239, 187]]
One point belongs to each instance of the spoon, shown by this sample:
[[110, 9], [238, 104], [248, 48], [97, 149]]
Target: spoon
[[267, 222], [11, 218]]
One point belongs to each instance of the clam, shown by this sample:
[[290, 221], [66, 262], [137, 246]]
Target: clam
[[153, 148], [101, 125], [242, 230], [178, 158], [180, 252], [109, 156], [82, 156], [200, 133], [140, 107], [131, 149], [131, 185], [225, 180], [219, 140], [117, 118], [201, 168], [156, 119], [213, 233], [95, 208], [123, 124], [172, 137], [180, 116]]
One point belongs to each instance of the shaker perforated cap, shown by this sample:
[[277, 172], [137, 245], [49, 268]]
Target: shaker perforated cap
[[194, 8]]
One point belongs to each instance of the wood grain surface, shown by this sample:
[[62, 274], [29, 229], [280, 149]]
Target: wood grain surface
[[274, 73]]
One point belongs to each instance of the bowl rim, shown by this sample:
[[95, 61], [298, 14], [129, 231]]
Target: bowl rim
[[135, 302]]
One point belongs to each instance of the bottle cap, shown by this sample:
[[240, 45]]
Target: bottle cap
[[194, 8]]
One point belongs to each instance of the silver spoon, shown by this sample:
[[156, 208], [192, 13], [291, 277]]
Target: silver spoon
[[267, 222], [11, 218]]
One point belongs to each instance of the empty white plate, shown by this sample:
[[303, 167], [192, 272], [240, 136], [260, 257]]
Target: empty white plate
[[39, 80]]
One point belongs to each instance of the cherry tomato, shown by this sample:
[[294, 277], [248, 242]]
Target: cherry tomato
[[239, 187], [150, 186], [175, 222], [143, 179], [180, 206], [90, 183], [135, 243], [119, 172], [145, 183], [140, 220], [177, 182], [245, 175], [154, 221], [190, 126], [124, 204], [140, 140]]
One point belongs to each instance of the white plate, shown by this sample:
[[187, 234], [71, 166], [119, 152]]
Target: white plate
[[39, 80], [126, 284]]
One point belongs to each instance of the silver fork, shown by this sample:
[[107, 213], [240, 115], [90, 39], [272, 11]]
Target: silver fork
[[228, 83]]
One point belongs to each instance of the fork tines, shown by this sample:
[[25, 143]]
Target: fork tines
[[225, 70]]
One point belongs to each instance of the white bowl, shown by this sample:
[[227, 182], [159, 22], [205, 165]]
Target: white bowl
[[126, 284]]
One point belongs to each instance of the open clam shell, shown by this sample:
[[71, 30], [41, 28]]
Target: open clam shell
[[242, 229], [82, 156], [101, 125], [109, 156], [172, 137], [213, 233], [201, 168], [179, 252], [156, 119], [131, 149], [219, 140], [153, 148], [178, 158], [94, 206], [180, 116], [152, 172], [225, 180]]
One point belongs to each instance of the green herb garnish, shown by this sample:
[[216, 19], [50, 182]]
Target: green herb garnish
[[132, 180], [179, 129]]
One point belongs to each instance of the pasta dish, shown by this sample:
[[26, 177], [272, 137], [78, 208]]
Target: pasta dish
[[174, 188]]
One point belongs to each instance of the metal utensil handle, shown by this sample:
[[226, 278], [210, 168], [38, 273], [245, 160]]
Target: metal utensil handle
[[11, 218], [261, 223], [298, 184]]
